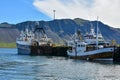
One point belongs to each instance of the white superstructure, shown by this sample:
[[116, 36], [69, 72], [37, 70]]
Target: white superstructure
[[90, 38], [26, 37]]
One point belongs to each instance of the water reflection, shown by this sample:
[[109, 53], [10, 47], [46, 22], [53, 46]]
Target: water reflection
[[20, 67]]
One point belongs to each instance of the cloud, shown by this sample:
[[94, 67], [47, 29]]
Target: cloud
[[107, 10]]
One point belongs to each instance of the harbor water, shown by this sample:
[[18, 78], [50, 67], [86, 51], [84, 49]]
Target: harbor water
[[25, 67]]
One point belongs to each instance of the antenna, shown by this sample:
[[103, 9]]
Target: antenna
[[54, 14]]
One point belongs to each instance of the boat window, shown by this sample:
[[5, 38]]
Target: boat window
[[78, 45], [99, 37], [71, 44]]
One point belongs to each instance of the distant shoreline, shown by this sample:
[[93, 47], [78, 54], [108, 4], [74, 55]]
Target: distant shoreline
[[7, 45]]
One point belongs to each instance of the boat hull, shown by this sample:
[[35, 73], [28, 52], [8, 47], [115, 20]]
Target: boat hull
[[24, 49], [94, 56], [42, 50], [33, 50]]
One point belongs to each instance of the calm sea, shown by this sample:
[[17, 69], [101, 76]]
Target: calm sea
[[24, 67]]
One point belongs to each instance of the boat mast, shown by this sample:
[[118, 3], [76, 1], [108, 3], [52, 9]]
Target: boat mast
[[97, 35], [37, 34], [54, 14]]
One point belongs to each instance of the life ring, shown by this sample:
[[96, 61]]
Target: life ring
[[35, 43]]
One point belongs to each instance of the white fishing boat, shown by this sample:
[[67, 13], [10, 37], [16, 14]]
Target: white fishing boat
[[93, 46], [24, 42], [29, 39]]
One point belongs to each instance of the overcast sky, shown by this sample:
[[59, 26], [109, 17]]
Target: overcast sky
[[107, 10], [15, 11]]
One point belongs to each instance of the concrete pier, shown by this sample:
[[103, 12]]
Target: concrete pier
[[116, 55]]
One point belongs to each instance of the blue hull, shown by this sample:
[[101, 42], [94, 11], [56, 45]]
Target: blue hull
[[24, 49]]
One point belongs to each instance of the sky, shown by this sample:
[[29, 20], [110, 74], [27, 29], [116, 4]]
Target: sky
[[16, 11]]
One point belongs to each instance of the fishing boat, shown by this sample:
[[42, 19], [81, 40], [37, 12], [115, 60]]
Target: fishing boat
[[29, 39], [93, 46]]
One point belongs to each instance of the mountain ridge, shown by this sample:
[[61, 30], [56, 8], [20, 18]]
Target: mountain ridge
[[59, 30]]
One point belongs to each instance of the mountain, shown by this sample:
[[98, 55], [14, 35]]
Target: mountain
[[59, 30], [8, 32]]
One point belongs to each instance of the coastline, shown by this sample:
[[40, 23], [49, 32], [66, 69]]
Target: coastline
[[7, 45]]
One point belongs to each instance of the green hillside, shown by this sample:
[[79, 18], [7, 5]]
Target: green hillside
[[7, 45]]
